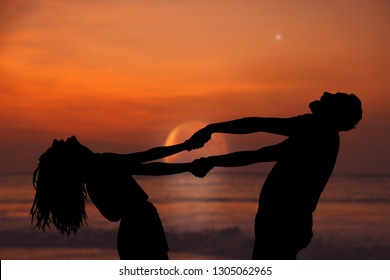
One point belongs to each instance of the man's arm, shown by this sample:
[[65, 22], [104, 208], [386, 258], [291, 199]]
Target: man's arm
[[281, 126], [243, 158]]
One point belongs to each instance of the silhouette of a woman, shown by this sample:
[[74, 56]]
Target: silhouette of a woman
[[68, 172]]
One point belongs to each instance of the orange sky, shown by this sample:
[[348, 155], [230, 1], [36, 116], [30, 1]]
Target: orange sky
[[121, 76]]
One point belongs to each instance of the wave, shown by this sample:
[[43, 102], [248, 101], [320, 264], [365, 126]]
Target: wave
[[227, 243]]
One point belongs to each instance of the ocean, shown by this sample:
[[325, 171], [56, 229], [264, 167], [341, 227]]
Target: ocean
[[210, 218]]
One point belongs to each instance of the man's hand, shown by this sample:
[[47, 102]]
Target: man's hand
[[198, 139], [200, 167]]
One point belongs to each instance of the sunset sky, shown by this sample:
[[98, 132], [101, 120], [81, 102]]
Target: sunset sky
[[120, 75]]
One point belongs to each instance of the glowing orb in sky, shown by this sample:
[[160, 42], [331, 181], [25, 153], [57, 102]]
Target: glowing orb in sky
[[278, 37], [216, 146]]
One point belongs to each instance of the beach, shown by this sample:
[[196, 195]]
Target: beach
[[210, 218]]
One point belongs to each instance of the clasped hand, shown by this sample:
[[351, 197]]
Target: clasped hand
[[200, 167], [198, 140]]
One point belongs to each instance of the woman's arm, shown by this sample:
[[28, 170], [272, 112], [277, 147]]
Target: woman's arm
[[155, 153], [160, 168]]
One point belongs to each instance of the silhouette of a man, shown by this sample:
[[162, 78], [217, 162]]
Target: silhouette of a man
[[304, 163]]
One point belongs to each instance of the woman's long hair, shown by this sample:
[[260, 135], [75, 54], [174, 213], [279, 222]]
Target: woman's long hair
[[59, 181]]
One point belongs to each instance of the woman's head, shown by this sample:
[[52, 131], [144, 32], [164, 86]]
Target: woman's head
[[59, 181]]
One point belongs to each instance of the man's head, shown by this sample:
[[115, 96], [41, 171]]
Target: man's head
[[341, 110]]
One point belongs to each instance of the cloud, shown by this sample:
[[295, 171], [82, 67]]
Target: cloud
[[12, 12]]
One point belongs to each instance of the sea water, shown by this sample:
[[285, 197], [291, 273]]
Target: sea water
[[209, 218]]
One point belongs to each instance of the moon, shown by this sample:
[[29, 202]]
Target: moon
[[216, 146]]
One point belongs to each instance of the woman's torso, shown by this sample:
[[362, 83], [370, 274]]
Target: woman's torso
[[111, 187]]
